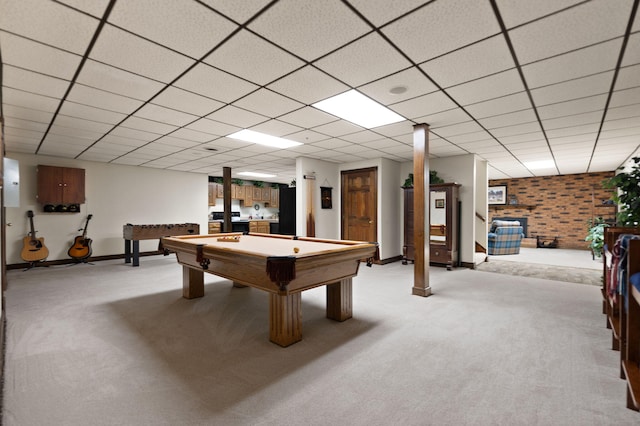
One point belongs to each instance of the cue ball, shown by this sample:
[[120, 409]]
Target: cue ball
[[296, 249]]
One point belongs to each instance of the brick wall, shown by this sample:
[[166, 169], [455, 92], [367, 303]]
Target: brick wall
[[563, 205]]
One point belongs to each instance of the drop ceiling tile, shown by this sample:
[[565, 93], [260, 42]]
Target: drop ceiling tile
[[49, 23], [12, 132], [557, 141], [309, 28], [145, 125], [574, 28], [510, 119], [114, 80], [158, 149], [134, 134], [28, 100], [76, 123], [33, 82], [100, 99], [478, 60], [360, 137], [491, 87], [307, 117], [296, 85], [588, 104], [60, 149], [215, 84], [470, 137], [18, 123], [380, 12], [573, 120], [268, 103], [625, 123], [186, 27], [193, 135], [331, 143], [94, 7], [213, 127], [498, 106], [140, 56], [573, 65], [411, 80], [251, 57], [516, 13], [628, 77], [523, 137], [75, 132], [365, 60], [379, 144], [176, 142], [574, 89], [572, 131], [165, 115], [463, 23], [23, 53], [123, 143], [73, 109], [423, 105], [632, 52], [338, 128], [625, 97], [395, 129], [276, 128], [237, 117], [518, 129], [13, 111], [182, 100], [458, 129], [307, 136], [239, 11], [444, 118]]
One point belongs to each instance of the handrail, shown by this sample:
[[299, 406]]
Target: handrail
[[479, 216]]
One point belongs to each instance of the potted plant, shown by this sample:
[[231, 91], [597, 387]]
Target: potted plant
[[627, 196], [595, 236], [258, 184], [433, 178]]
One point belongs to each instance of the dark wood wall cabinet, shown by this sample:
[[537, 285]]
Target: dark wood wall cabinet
[[60, 189], [443, 229]]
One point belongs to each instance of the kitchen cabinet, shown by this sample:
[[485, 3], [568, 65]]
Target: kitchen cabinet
[[266, 194], [238, 192], [60, 185], [213, 192], [274, 198], [262, 226], [257, 193], [248, 196], [215, 227]]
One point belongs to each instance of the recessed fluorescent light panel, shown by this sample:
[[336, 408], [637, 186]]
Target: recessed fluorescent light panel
[[544, 164], [263, 139], [355, 107], [255, 174]]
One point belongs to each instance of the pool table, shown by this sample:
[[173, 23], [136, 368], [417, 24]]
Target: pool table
[[282, 265]]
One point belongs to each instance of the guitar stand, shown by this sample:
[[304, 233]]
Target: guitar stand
[[79, 261], [32, 265]]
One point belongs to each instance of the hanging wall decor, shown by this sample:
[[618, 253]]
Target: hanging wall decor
[[325, 197]]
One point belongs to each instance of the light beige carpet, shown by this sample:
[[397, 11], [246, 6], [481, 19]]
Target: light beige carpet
[[109, 344]]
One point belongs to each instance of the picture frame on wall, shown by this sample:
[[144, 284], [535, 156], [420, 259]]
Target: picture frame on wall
[[439, 203], [497, 195]]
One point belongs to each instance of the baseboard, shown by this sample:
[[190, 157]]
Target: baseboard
[[72, 261], [469, 265], [388, 260]]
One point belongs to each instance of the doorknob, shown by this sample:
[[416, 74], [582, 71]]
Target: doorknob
[[370, 222]]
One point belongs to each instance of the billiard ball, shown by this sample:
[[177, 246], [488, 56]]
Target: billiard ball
[[296, 249]]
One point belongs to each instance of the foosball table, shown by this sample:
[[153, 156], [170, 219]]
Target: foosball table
[[134, 233]]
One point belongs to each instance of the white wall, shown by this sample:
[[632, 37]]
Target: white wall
[[327, 221], [482, 201], [115, 195]]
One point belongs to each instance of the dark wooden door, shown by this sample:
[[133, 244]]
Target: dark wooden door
[[359, 204]]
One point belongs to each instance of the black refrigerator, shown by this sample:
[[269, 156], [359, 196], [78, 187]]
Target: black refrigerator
[[287, 212]]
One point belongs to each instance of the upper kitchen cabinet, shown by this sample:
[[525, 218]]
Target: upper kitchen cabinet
[[60, 185]]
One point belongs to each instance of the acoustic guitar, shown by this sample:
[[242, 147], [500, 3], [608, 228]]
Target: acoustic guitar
[[81, 248], [33, 249]]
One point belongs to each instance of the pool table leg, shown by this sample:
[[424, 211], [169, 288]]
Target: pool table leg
[[285, 318], [340, 300], [192, 283]]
